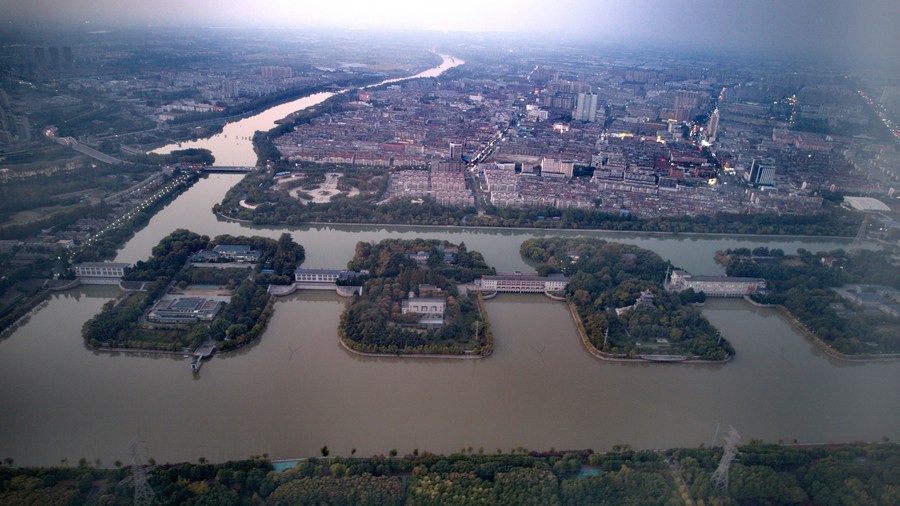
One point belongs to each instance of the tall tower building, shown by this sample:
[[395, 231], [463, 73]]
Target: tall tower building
[[23, 128], [54, 56], [586, 107], [68, 57], [455, 151], [40, 57], [712, 128]]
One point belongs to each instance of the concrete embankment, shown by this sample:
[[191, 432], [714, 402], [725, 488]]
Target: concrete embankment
[[409, 355]]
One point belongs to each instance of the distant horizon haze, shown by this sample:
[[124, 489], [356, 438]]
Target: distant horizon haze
[[863, 32]]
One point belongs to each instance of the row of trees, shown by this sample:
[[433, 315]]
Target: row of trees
[[281, 209], [604, 276], [387, 258], [107, 244], [761, 474]]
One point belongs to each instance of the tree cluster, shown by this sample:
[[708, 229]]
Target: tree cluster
[[772, 474], [242, 319], [604, 276], [374, 323], [761, 474], [803, 284]]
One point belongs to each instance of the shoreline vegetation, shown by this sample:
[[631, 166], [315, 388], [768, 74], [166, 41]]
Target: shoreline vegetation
[[851, 473], [622, 357], [275, 207], [311, 224], [104, 247], [410, 303], [841, 300], [620, 307], [122, 326]]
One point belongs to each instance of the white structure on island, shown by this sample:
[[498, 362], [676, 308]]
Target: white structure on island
[[100, 273], [524, 283], [431, 309], [715, 286], [330, 276]]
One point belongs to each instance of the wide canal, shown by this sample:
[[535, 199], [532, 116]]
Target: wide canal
[[296, 390]]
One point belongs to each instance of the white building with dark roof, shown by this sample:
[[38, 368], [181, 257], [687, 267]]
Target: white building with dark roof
[[100, 273], [524, 283], [715, 286]]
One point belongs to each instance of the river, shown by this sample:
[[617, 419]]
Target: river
[[296, 390], [233, 146]]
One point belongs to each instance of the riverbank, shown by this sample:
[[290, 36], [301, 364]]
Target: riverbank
[[489, 336], [825, 347], [819, 341], [622, 476], [575, 231], [621, 357]]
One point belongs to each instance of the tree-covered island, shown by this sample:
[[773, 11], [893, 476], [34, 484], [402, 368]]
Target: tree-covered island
[[410, 303], [195, 289], [850, 301], [616, 291]]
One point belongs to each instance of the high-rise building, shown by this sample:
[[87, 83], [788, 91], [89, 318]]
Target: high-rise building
[[762, 175], [54, 56], [712, 128], [23, 128], [559, 167], [230, 88], [455, 151], [40, 57], [68, 57], [270, 72], [586, 107], [687, 103]]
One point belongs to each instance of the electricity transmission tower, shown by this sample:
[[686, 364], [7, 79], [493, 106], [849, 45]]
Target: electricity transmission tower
[[720, 476], [143, 493]]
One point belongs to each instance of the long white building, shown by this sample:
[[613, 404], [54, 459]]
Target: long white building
[[524, 283], [715, 286]]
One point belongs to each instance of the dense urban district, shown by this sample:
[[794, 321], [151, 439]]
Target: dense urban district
[[760, 474]]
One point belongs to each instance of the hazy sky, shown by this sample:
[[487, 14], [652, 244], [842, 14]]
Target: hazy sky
[[846, 27]]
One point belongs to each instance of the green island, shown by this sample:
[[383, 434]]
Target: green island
[[760, 474], [194, 290], [850, 301], [616, 292], [410, 302]]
